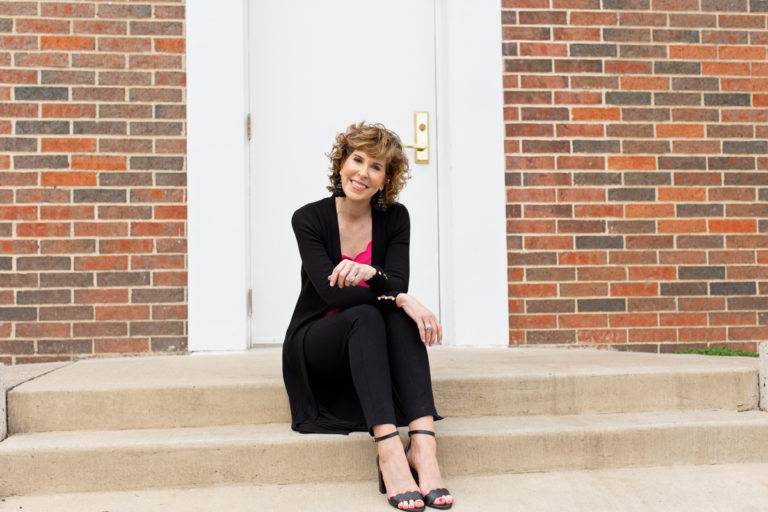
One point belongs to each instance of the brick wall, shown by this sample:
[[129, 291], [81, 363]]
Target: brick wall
[[92, 179], [637, 172]]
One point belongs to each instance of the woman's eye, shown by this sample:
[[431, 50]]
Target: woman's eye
[[360, 160]]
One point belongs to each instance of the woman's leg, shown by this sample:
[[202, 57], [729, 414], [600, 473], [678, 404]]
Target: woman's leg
[[412, 384], [351, 344], [354, 341], [409, 366]]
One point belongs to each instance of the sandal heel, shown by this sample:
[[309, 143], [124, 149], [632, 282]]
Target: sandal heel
[[382, 487]]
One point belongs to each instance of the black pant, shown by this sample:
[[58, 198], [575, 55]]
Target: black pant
[[377, 355]]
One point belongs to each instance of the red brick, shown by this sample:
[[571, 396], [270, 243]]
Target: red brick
[[66, 212], [602, 336], [157, 262], [18, 212], [633, 319], [103, 296], [18, 42], [71, 111], [68, 10], [101, 229], [71, 246], [634, 289], [582, 320], [169, 312], [100, 27], [732, 225], [17, 76], [121, 345], [692, 333], [169, 45], [741, 52], [42, 329], [101, 262], [139, 312], [43, 229], [18, 246], [157, 229], [68, 178], [125, 246], [46, 59], [69, 146], [679, 319], [532, 290], [67, 43], [169, 279], [99, 163], [88, 329], [170, 212], [40, 26], [682, 226], [125, 44]]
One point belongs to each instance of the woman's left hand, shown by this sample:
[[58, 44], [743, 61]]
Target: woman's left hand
[[349, 273]]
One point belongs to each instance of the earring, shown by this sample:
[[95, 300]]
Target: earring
[[379, 204], [339, 192]]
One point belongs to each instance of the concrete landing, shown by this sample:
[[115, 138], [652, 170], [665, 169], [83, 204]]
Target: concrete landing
[[708, 488]]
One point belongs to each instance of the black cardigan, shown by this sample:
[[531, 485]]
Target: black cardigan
[[317, 234]]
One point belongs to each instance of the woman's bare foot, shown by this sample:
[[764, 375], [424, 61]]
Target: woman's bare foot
[[422, 456], [394, 469]]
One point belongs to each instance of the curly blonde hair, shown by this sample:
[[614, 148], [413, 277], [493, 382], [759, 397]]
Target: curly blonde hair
[[378, 142]]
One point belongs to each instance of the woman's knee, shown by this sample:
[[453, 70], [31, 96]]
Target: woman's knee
[[366, 314]]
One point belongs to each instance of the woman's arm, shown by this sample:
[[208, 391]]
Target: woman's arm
[[394, 275], [318, 266]]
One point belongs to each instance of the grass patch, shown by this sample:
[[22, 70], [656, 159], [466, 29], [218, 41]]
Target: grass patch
[[718, 351]]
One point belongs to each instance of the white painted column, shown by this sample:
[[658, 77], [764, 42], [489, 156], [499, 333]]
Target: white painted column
[[3, 412], [763, 374], [217, 175], [473, 246]]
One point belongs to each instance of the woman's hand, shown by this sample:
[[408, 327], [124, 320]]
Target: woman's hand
[[423, 318], [349, 273]]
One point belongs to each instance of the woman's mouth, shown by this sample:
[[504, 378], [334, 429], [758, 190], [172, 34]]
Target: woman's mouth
[[358, 186]]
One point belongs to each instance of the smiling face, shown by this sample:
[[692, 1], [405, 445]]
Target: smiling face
[[362, 176]]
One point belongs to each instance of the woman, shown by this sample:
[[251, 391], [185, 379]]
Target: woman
[[355, 356]]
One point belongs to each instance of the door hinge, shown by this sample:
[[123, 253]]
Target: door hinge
[[250, 302], [248, 129]]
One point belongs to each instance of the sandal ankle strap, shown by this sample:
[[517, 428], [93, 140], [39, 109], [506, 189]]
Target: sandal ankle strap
[[411, 432], [385, 436]]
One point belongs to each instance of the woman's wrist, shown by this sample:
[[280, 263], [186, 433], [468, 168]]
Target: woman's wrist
[[400, 299]]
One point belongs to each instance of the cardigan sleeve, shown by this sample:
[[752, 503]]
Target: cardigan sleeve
[[318, 266], [394, 276]]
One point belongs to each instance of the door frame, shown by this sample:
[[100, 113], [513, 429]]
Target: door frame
[[470, 171]]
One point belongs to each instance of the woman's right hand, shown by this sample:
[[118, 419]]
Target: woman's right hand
[[423, 317]]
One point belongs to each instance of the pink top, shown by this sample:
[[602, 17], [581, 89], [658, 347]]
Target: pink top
[[363, 257]]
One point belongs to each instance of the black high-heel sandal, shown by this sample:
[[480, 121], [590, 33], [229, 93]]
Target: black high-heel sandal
[[431, 496], [403, 496]]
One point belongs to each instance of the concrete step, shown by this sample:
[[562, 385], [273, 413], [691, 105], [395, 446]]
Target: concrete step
[[53, 462], [705, 488], [247, 388]]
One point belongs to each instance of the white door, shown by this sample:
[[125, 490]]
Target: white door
[[315, 68]]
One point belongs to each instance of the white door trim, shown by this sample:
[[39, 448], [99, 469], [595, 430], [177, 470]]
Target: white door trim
[[471, 189]]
